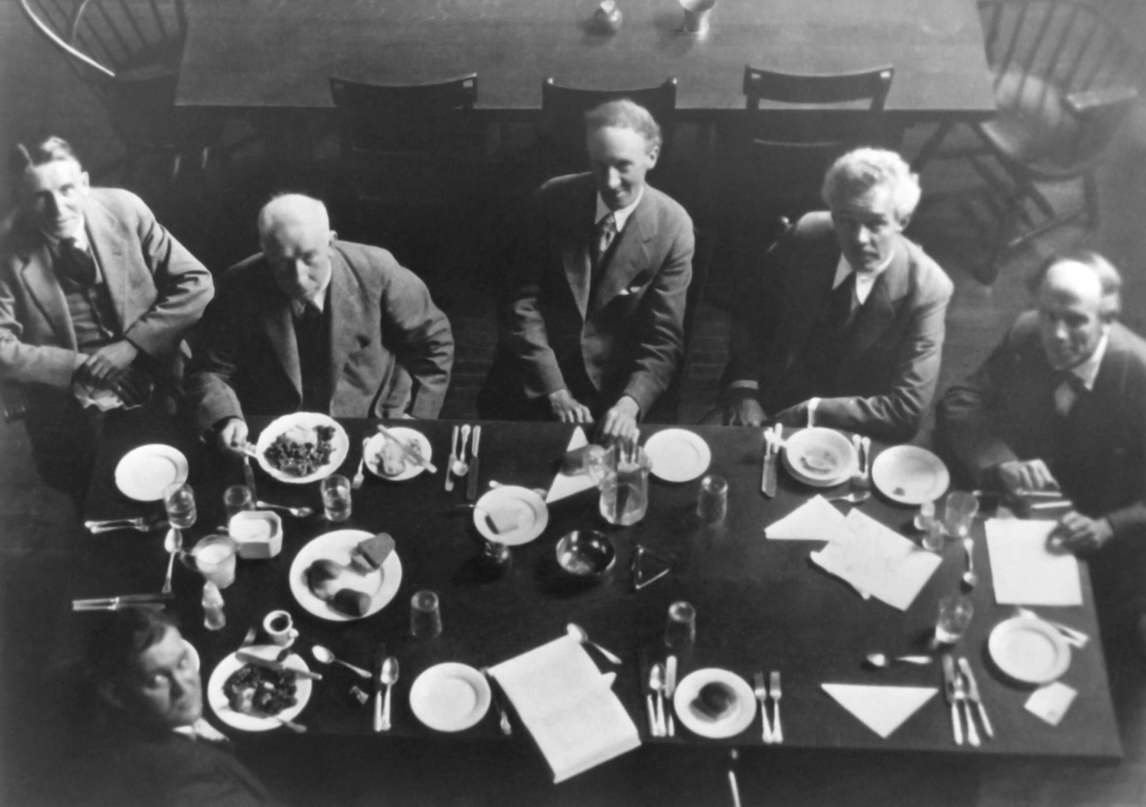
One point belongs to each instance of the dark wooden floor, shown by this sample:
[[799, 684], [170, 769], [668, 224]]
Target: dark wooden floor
[[36, 524]]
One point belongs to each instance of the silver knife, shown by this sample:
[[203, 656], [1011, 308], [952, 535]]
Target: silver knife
[[768, 475], [973, 695], [472, 479], [450, 462], [670, 690], [961, 699], [270, 664], [949, 692]]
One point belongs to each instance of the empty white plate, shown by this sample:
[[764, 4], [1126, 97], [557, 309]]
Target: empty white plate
[[677, 455], [450, 697], [735, 719], [145, 472], [910, 475], [511, 515], [1029, 650]]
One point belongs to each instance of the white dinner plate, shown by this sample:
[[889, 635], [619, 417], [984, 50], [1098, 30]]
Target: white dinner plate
[[145, 472], [677, 455], [910, 475], [450, 697], [820, 457], [739, 716], [1029, 650], [340, 445], [381, 584], [222, 707], [513, 504], [410, 437]]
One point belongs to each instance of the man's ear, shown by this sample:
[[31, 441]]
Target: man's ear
[[333, 238], [654, 154], [109, 694]]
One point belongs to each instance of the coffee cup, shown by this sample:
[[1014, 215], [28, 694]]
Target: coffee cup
[[279, 627]]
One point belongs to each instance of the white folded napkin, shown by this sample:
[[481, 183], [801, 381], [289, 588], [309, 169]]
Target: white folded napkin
[[814, 520], [881, 708], [565, 485]]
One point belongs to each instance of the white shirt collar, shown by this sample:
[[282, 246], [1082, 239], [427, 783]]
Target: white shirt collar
[[318, 300], [864, 280], [620, 216], [1087, 371], [201, 730]]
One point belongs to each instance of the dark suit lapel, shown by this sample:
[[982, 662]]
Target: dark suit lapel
[[41, 283], [878, 311], [277, 323], [630, 253], [107, 244], [575, 257], [811, 271], [347, 316]]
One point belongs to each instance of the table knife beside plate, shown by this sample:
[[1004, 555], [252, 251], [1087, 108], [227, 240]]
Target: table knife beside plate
[[270, 664], [475, 466], [949, 693], [378, 687], [975, 698], [768, 474]]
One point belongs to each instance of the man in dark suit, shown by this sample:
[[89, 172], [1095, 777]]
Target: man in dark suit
[[95, 297], [844, 324], [593, 327], [153, 745], [317, 324]]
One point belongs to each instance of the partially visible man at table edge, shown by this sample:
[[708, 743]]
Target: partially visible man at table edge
[[592, 327], [318, 324], [845, 319], [95, 299], [149, 742], [1060, 404]]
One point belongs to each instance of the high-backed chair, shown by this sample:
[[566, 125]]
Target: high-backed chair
[[1064, 79]]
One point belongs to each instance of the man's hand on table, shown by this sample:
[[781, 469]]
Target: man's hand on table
[[745, 412], [232, 436], [1080, 534], [568, 409], [108, 364], [1017, 475], [620, 422]]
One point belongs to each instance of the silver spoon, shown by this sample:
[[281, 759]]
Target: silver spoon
[[881, 660], [852, 498], [360, 474], [460, 466], [173, 543], [324, 656], [578, 633], [969, 576], [388, 676], [657, 685], [297, 512]]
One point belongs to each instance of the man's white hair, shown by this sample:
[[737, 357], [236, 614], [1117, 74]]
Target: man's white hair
[[857, 172]]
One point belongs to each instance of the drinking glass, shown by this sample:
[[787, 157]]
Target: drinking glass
[[680, 628], [931, 527], [625, 487], [179, 501], [953, 618], [425, 615], [238, 498], [214, 558], [336, 501], [712, 501], [959, 512]]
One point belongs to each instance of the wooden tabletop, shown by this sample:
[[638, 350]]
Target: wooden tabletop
[[280, 53], [761, 603]]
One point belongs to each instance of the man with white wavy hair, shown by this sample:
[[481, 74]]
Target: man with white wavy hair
[[844, 324]]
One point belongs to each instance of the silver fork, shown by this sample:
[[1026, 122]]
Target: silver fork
[[450, 462], [774, 692], [761, 692], [360, 474]]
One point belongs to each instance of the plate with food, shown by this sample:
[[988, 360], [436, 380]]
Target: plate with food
[[346, 574], [511, 515], [714, 703], [677, 455], [146, 471], [450, 697], [910, 475], [302, 447], [1029, 650], [820, 457], [252, 697], [386, 460]]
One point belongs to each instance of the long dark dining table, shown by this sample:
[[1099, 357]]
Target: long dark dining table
[[761, 604], [278, 54]]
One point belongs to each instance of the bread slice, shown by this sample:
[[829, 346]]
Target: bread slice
[[370, 554]]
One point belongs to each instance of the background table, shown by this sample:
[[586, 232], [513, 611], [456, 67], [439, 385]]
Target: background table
[[279, 53], [761, 603]]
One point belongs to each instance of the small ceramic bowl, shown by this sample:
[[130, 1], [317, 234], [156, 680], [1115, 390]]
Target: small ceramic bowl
[[585, 554]]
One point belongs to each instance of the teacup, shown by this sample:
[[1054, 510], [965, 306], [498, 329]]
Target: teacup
[[279, 627]]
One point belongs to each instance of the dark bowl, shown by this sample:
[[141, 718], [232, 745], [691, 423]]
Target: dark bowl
[[585, 554]]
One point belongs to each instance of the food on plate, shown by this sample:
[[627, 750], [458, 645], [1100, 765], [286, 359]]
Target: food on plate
[[322, 577], [350, 602], [714, 699], [301, 450], [391, 459], [256, 690], [820, 460], [370, 554], [340, 585]]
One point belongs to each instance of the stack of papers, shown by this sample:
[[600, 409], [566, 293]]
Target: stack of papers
[[568, 706], [814, 520], [881, 708], [565, 485], [1023, 571], [877, 561]]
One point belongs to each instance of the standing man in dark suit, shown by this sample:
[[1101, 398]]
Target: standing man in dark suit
[[593, 328], [844, 324], [317, 324], [95, 298]]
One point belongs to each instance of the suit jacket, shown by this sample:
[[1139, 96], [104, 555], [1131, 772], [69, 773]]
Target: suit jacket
[[627, 333], [391, 348], [157, 288], [887, 374], [1005, 411]]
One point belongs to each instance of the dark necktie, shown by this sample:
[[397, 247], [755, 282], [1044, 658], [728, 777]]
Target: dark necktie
[[606, 234], [76, 263], [843, 303]]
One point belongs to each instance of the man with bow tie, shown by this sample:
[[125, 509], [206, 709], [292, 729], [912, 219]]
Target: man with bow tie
[[592, 329], [316, 324], [844, 324], [95, 298]]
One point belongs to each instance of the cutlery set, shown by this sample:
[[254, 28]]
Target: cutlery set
[[156, 601], [1073, 636], [662, 685], [457, 466], [771, 731], [137, 523], [962, 692], [773, 442]]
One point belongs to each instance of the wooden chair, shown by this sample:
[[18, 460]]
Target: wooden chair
[[1064, 79]]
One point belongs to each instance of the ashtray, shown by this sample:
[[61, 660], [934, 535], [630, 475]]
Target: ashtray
[[585, 554]]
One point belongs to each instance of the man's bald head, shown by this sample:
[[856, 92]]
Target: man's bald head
[[1078, 296], [295, 236]]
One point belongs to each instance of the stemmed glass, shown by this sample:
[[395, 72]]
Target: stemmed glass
[[179, 502]]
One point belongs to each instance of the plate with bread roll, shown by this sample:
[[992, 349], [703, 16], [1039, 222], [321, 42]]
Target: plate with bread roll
[[346, 574], [714, 703]]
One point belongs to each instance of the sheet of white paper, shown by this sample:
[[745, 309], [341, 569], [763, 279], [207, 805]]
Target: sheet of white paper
[[814, 520], [1051, 701], [568, 706], [1024, 572], [565, 485], [881, 708]]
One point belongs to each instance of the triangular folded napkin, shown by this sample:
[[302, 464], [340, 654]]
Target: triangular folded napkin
[[881, 708], [814, 520], [565, 485]]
